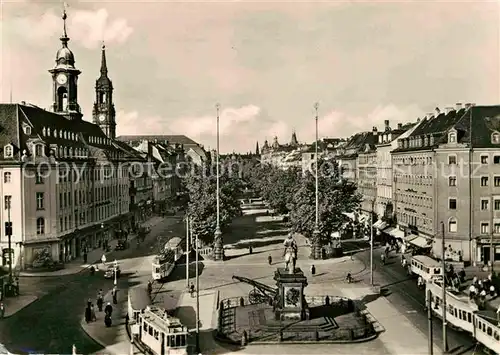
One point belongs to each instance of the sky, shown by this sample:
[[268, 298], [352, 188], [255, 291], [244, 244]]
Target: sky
[[265, 62]]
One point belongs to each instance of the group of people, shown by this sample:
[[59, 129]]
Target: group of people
[[90, 312], [479, 289]]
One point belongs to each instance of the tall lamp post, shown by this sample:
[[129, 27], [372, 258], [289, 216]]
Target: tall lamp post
[[445, 323], [218, 245], [198, 351], [316, 252], [371, 243], [187, 252]]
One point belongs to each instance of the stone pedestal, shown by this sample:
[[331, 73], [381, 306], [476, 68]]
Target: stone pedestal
[[218, 246], [291, 302]]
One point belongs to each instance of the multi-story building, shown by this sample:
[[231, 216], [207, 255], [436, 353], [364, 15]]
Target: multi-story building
[[387, 142], [276, 153], [65, 185], [327, 150], [447, 172]]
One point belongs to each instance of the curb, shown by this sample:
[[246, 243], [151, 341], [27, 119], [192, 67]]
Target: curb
[[20, 309], [225, 340], [91, 337]]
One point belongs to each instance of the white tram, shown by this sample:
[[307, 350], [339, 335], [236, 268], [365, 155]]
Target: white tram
[[161, 333], [463, 314], [426, 267], [163, 264]]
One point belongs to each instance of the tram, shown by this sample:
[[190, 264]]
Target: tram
[[463, 314], [164, 263], [426, 267], [161, 333]]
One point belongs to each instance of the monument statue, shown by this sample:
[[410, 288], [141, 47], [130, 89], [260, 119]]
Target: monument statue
[[290, 253]]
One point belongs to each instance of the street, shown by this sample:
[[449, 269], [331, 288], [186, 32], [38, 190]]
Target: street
[[410, 300], [52, 324]]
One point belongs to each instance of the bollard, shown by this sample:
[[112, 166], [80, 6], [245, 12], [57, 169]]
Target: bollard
[[327, 300], [242, 301], [316, 335]]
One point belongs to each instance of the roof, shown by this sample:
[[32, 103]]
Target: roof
[[474, 126], [358, 143], [175, 138]]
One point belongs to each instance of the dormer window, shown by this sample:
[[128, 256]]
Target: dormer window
[[495, 138], [27, 130], [452, 137], [8, 152]]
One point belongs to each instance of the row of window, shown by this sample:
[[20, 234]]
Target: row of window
[[80, 218], [412, 160], [103, 193], [418, 180], [484, 204], [414, 200], [422, 222], [105, 173]]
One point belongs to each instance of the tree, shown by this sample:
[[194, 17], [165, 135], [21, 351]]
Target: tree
[[277, 187], [335, 196], [202, 206]]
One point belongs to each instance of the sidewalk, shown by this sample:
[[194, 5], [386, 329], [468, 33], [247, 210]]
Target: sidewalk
[[94, 257], [392, 324], [15, 304], [115, 339]]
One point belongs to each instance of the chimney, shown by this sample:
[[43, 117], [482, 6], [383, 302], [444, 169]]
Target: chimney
[[23, 103], [438, 111], [449, 109], [458, 106], [374, 129], [468, 105], [386, 124], [400, 126]]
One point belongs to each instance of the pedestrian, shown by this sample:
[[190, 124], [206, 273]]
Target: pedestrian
[[85, 257], [103, 260], [150, 287], [100, 302], [107, 321], [88, 314], [250, 250], [89, 302], [108, 309], [492, 290], [420, 282], [191, 290], [270, 260], [115, 295], [313, 270], [2, 310], [93, 317]]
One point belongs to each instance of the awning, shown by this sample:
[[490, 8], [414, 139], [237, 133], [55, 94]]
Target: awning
[[395, 232], [380, 224], [421, 242]]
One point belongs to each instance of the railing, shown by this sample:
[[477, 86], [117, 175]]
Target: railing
[[321, 300], [206, 252]]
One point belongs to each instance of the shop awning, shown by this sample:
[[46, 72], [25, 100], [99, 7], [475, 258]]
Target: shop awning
[[349, 215], [395, 232], [380, 224], [421, 242]]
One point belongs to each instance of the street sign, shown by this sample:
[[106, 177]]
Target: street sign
[[8, 228]]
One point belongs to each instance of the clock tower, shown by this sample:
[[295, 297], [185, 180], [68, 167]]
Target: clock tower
[[65, 80], [103, 113]]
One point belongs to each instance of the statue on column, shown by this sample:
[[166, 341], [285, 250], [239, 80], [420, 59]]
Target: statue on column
[[290, 253]]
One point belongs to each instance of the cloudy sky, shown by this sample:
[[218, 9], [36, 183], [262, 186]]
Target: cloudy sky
[[265, 62]]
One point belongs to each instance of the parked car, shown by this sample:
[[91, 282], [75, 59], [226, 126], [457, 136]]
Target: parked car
[[110, 271]]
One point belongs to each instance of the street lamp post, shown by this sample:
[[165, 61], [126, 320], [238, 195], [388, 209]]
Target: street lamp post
[[218, 244], [187, 252], [197, 298], [443, 285], [371, 243], [116, 271], [316, 252]]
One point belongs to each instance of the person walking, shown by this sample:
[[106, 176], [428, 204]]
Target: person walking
[[2, 310], [114, 293], [108, 309], [93, 317], [100, 302], [103, 260]]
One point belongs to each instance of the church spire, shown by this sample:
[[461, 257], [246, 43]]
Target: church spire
[[257, 151], [64, 38], [104, 67]]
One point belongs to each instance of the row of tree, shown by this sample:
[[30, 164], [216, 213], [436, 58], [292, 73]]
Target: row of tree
[[294, 193]]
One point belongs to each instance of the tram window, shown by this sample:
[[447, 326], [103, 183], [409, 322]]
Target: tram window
[[156, 334], [460, 314], [469, 318], [489, 331], [145, 326], [437, 271], [150, 330], [484, 328], [495, 335], [455, 313]]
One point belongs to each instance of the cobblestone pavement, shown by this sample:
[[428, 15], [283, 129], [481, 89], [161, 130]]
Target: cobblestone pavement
[[52, 324]]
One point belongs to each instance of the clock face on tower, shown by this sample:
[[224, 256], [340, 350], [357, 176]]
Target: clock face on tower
[[61, 79], [102, 118]]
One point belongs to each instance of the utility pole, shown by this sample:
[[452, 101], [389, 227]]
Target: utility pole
[[443, 285], [316, 247], [197, 300], [371, 244], [429, 318], [187, 252]]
